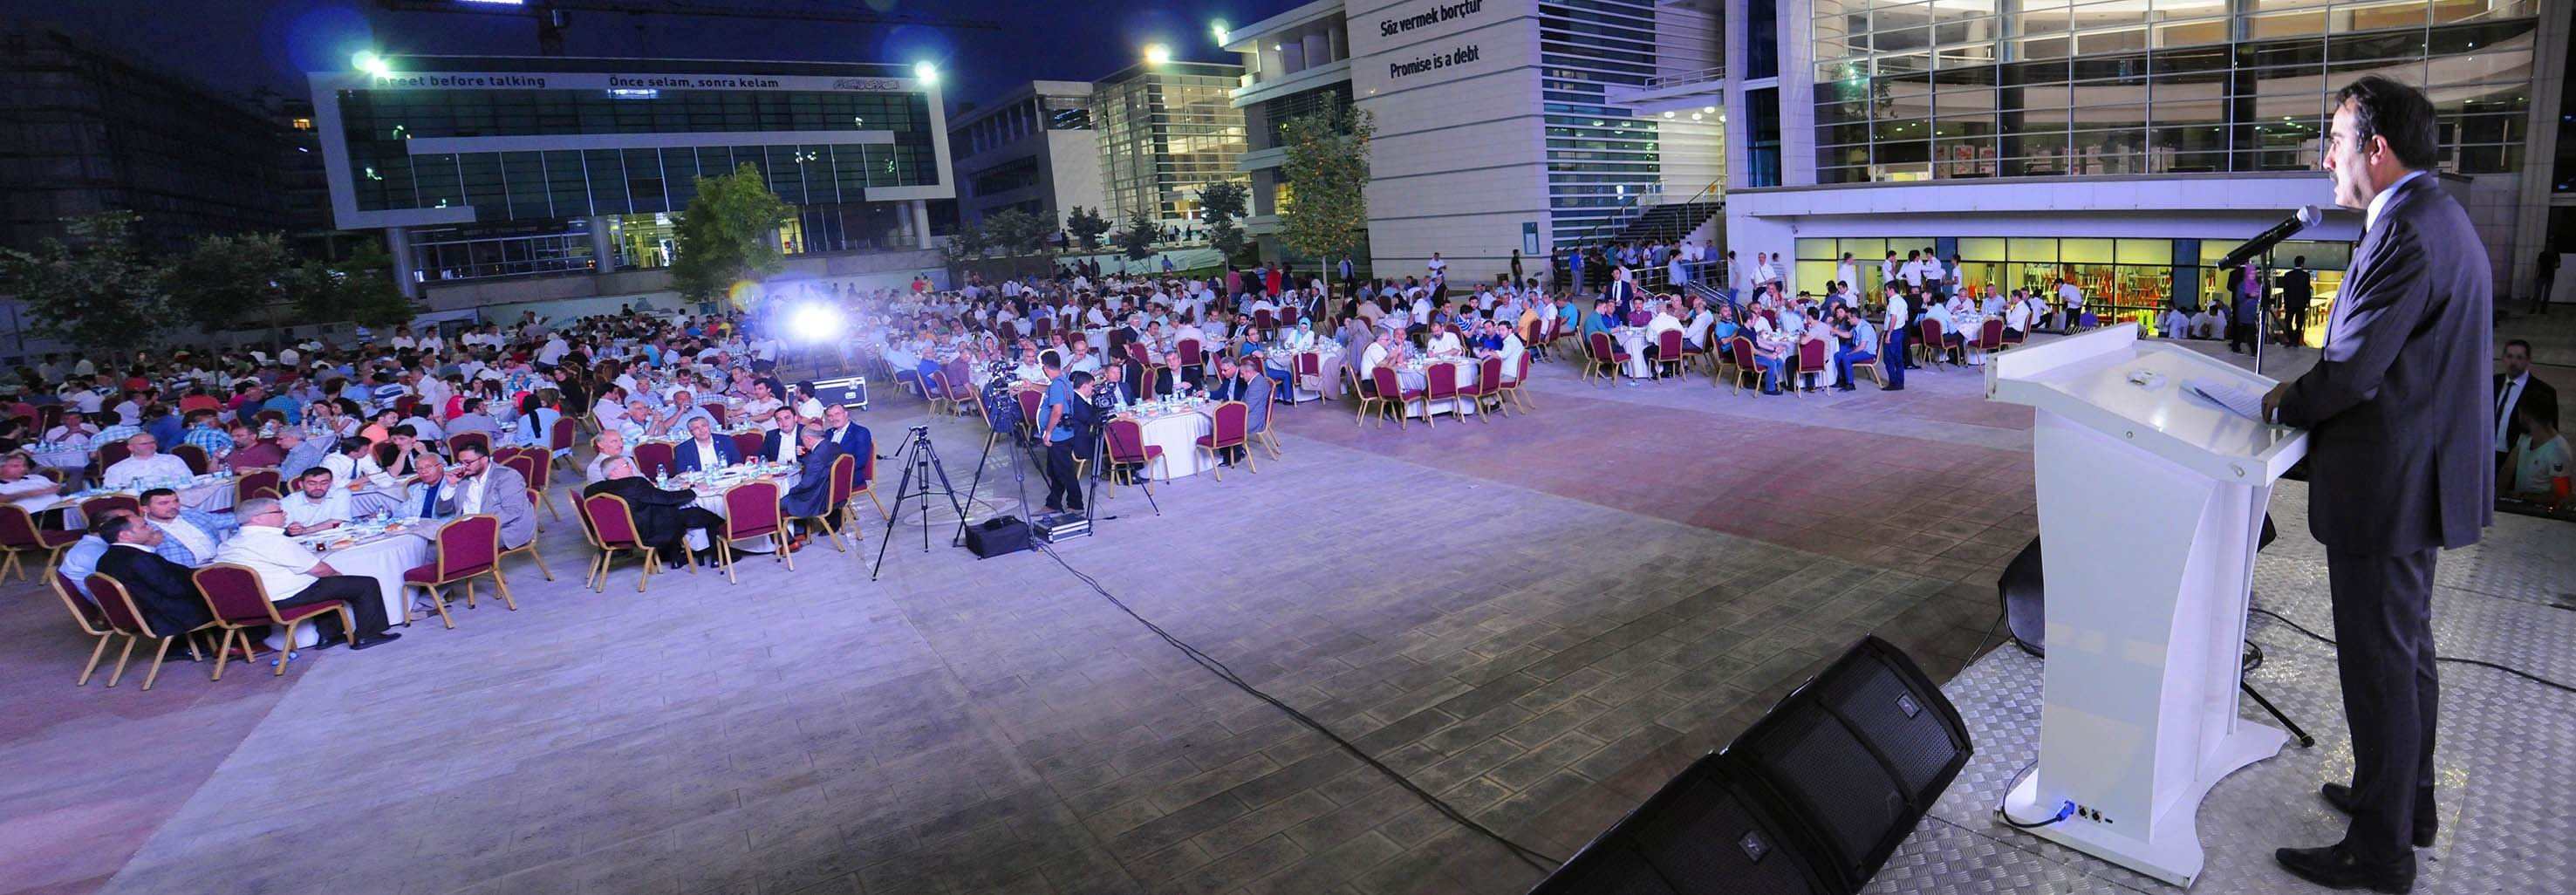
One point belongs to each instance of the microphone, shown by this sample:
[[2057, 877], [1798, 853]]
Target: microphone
[[2307, 216]]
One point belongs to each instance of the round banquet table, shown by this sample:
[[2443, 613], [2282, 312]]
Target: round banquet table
[[1177, 433], [1411, 376], [711, 499], [214, 495], [1632, 339], [384, 558], [1327, 381]]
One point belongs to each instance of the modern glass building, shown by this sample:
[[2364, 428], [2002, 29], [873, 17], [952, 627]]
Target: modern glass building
[[1034, 150], [1166, 131], [494, 167]]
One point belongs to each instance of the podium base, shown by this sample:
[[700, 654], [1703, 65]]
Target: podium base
[[2170, 850]]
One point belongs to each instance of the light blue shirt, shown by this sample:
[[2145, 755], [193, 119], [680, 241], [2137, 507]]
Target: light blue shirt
[[81, 561]]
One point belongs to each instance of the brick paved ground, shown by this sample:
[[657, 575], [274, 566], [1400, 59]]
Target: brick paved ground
[[1540, 618]]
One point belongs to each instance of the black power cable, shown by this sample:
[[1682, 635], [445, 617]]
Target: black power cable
[[1527, 855], [2320, 638]]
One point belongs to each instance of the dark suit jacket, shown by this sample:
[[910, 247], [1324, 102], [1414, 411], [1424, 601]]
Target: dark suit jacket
[[811, 495], [856, 441], [684, 456], [1228, 389], [769, 444], [2400, 447], [2534, 392], [161, 589], [2296, 288], [657, 511]]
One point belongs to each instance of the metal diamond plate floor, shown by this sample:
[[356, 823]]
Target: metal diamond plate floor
[[2506, 754]]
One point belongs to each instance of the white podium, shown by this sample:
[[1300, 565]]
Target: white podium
[[2150, 504]]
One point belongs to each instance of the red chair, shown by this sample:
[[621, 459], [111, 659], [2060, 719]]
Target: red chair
[[92, 622], [91, 508], [1512, 387], [1393, 397], [1742, 349], [48, 416], [559, 442], [1030, 400], [1363, 392], [19, 534], [242, 608], [1288, 316], [258, 483], [836, 514], [653, 458], [1145, 384], [1927, 333], [467, 548], [1606, 357], [1128, 452], [1808, 359], [715, 409], [1668, 351], [1040, 328], [1136, 351], [936, 390], [192, 455], [1990, 336], [1230, 430], [748, 444], [610, 525], [266, 418], [751, 511], [1308, 367], [868, 485], [530, 464], [481, 441], [1263, 320], [1193, 357], [1489, 385], [109, 453], [1440, 383], [118, 605]]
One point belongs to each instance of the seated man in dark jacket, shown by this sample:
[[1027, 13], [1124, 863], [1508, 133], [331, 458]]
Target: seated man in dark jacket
[[662, 517], [810, 496], [163, 590]]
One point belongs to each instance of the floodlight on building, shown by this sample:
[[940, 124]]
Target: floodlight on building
[[1218, 28], [1709, 109], [1668, 114], [1157, 54], [367, 61]]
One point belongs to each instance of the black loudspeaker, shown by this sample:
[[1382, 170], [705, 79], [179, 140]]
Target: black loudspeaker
[[997, 536], [1859, 753], [2024, 595], [1708, 832]]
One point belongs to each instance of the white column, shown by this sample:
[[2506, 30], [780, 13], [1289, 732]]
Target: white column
[[406, 270], [921, 222], [603, 250]]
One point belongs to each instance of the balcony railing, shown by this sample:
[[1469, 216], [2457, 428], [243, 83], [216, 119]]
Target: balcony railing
[[1700, 76]]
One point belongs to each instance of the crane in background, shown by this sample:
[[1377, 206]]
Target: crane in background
[[553, 17]]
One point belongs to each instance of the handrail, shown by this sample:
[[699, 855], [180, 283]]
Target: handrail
[[1712, 73]]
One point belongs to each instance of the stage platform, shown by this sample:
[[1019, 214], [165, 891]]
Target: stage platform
[[2506, 754]]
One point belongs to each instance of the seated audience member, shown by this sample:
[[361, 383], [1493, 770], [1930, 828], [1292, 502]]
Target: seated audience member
[[18, 485], [778, 445], [299, 453], [810, 495], [314, 505], [144, 462], [473, 419], [73, 433], [163, 590], [605, 446], [249, 452], [194, 534], [208, 435], [2017, 317], [1859, 344], [295, 576], [703, 450], [2540, 460], [81, 558], [663, 517], [475, 484]]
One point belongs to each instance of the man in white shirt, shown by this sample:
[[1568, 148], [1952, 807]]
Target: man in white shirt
[[192, 535], [1376, 354], [1912, 271], [1695, 332], [553, 351], [315, 505], [145, 463], [1439, 268], [1847, 271], [1765, 273], [2073, 299], [295, 577], [2017, 318], [1442, 342], [1894, 325]]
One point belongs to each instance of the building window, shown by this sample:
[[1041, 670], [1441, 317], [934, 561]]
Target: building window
[[1762, 129], [303, 124]]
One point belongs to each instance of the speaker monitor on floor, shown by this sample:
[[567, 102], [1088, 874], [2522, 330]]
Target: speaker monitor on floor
[[1811, 800], [1708, 832]]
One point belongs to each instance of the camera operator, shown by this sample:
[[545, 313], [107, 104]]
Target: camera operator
[[1069, 416]]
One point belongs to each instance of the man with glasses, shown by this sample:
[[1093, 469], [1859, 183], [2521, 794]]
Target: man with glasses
[[295, 576]]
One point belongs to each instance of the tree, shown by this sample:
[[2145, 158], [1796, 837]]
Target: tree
[[1138, 239], [1087, 226], [1018, 232], [1223, 202], [92, 289], [359, 289], [1327, 170], [970, 241], [728, 234], [223, 279]]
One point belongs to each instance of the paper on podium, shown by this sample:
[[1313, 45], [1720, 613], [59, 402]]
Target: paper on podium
[[2089, 379]]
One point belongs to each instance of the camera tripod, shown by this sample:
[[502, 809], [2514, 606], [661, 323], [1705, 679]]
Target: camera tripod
[[920, 462]]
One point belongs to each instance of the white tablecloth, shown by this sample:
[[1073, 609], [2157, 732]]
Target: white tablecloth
[[1411, 376], [1178, 435], [1632, 339], [1328, 382]]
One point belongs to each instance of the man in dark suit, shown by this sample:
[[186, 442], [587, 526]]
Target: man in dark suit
[[811, 494], [778, 445], [1113, 382], [2398, 466], [704, 450], [662, 517], [853, 439], [2515, 388], [162, 589], [2298, 288]]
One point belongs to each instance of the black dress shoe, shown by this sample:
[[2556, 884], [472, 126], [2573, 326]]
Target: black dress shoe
[[2334, 868], [378, 640], [1891, 388], [2340, 796]]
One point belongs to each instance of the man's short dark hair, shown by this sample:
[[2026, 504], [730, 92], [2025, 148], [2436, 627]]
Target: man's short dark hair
[[1079, 378], [323, 471], [148, 496], [2299, 261], [2393, 112], [109, 526], [2518, 343]]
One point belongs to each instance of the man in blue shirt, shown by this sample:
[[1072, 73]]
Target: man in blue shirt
[[1065, 418], [1860, 345]]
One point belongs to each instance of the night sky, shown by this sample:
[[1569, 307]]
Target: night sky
[[240, 45]]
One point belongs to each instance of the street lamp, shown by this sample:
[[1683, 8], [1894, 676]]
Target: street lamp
[[367, 61], [1157, 54], [1218, 28], [926, 73]]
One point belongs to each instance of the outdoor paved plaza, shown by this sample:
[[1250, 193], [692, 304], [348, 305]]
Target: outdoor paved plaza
[[1540, 618]]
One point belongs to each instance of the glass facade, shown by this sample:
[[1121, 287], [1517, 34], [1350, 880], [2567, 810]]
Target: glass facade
[[1602, 159], [1031, 115], [379, 123], [2005, 88], [2123, 279], [1165, 133]]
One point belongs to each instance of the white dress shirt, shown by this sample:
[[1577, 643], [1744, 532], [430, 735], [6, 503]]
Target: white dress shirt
[[708, 457], [284, 567], [1370, 358], [306, 511], [24, 493], [469, 500], [155, 468]]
